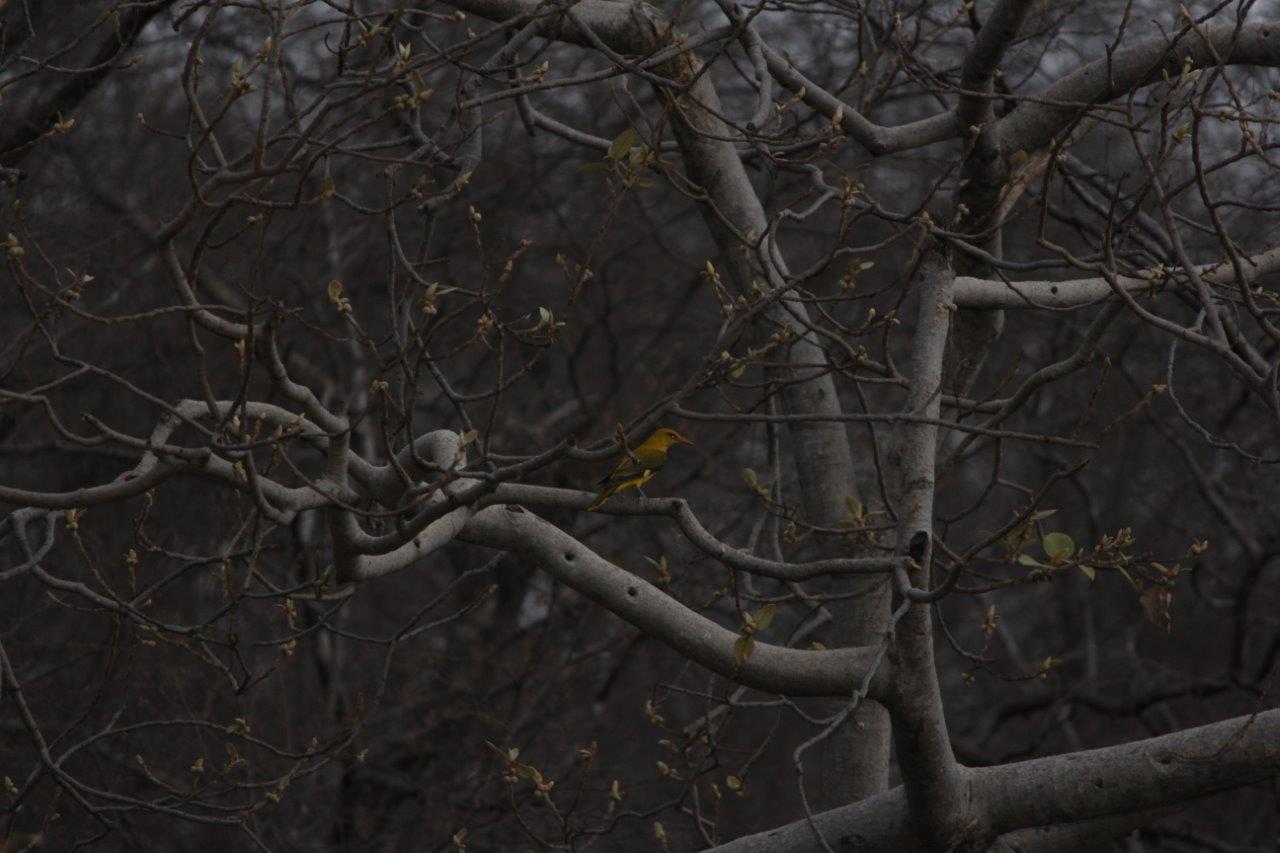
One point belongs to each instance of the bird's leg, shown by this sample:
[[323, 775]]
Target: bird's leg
[[640, 485]]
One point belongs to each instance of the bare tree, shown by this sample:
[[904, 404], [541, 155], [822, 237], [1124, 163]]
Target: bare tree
[[319, 317]]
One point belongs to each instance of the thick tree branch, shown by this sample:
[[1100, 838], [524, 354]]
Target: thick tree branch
[[973, 292], [776, 669], [931, 777], [1062, 789], [1033, 124]]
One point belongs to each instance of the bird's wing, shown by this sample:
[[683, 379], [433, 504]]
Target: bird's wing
[[627, 468]]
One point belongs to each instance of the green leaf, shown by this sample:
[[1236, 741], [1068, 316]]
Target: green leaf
[[854, 505], [1015, 538], [592, 168], [743, 647], [1089, 571], [749, 477], [1028, 560], [622, 143], [764, 616], [1058, 546], [1129, 578], [468, 437], [1018, 158]]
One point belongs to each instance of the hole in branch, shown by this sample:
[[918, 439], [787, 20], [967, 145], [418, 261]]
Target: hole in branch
[[919, 544], [633, 591]]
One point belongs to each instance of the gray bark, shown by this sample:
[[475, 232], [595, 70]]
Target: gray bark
[[857, 763], [1077, 787], [931, 776]]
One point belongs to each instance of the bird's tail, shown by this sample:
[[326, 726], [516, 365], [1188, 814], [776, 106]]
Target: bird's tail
[[601, 498]]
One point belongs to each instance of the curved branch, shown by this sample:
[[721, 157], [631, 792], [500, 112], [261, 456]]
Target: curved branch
[[776, 669], [1033, 124], [683, 514], [877, 139]]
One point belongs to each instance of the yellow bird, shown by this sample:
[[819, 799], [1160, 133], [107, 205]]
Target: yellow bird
[[636, 469]]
